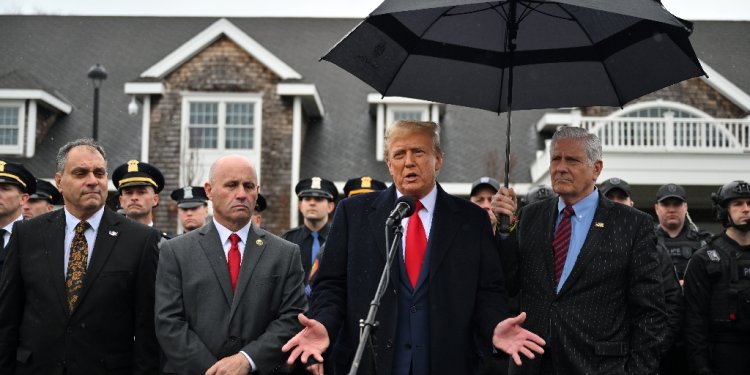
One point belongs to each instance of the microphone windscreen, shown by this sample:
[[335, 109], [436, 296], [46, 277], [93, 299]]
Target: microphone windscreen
[[410, 202]]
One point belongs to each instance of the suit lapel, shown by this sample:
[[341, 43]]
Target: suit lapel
[[594, 237], [106, 238], [210, 243], [377, 216], [443, 231], [549, 236], [254, 249], [54, 251]]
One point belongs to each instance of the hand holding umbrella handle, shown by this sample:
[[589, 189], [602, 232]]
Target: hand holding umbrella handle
[[504, 205]]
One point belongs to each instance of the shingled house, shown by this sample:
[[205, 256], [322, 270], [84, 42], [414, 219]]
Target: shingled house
[[204, 87]]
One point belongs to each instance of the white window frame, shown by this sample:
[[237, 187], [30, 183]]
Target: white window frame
[[222, 99], [210, 154], [391, 109], [384, 108], [16, 149]]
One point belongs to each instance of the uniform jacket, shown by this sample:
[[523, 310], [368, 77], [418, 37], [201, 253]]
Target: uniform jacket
[[466, 288], [199, 320], [39, 336], [610, 314], [301, 236]]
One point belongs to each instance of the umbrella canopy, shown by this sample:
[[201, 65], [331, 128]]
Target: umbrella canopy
[[551, 53]]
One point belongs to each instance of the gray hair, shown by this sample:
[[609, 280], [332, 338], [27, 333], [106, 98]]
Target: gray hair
[[62, 154], [403, 127], [592, 144]]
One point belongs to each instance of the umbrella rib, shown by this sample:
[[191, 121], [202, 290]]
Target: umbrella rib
[[596, 50], [393, 78]]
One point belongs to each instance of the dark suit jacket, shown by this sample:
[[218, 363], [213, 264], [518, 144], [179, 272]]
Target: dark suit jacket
[[199, 320], [39, 336], [609, 315], [466, 289]]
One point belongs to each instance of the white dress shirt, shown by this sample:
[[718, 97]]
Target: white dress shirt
[[90, 234], [425, 214], [226, 244]]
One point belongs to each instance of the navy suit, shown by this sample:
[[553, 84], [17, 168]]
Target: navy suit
[[429, 330]]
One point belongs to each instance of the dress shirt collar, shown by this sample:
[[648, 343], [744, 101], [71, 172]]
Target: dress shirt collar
[[224, 232], [582, 208], [428, 201], [95, 219], [9, 228]]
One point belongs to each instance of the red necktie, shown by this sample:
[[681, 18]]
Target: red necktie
[[234, 259], [416, 244], [562, 242]]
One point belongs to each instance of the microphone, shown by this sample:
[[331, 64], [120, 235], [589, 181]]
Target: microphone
[[404, 208]]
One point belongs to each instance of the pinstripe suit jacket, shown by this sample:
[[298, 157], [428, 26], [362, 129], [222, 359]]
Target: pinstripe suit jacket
[[609, 314]]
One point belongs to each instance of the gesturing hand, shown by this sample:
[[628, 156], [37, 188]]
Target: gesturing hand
[[511, 338], [311, 341]]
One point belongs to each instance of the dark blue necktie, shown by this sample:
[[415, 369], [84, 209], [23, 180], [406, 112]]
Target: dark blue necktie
[[315, 247]]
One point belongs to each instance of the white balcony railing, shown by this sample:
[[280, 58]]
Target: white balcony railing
[[669, 134]]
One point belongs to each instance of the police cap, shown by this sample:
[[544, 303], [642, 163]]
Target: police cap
[[135, 173], [539, 193], [45, 191], [484, 181], [361, 185], [316, 187], [16, 174], [189, 196], [615, 183], [671, 191]]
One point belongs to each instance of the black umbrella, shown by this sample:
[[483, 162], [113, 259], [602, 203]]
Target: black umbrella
[[519, 54]]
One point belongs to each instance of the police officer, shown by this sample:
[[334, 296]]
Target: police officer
[[717, 290], [536, 194], [675, 231], [192, 206], [42, 201], [16, 183], [139, 185], [362, 185], [316, 201], [260, 205], [481, 194], [617, 190], [673, 350]]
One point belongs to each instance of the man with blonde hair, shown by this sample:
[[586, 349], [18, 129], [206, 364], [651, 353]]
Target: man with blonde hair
[[445, 283]]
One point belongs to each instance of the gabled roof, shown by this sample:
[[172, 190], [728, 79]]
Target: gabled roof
[[211, 34]]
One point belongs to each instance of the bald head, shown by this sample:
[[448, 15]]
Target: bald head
[[233, 188]]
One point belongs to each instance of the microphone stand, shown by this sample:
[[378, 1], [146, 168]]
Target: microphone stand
[[366, 326]]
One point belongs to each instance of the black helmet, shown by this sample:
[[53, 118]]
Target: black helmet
[[726, 193], [538, 193]]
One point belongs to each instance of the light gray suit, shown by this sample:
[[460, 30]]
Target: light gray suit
[[198, 318]]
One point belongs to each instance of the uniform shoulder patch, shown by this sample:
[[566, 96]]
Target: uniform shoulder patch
[[713, 255]]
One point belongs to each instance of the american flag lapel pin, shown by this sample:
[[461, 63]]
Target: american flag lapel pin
[[113, 233], [599, 224]]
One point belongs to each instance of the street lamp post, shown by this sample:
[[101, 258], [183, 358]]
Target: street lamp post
[[97, 74]]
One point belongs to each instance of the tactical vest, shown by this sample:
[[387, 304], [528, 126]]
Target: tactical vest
[[681, 248], [729, 270]]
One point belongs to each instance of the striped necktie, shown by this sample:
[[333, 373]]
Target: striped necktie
[[562, 242]]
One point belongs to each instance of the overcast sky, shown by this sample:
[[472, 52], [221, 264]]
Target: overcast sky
[[688, 9]]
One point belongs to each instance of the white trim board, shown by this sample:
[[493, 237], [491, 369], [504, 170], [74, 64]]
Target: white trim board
[[203, 39], [39, 95]]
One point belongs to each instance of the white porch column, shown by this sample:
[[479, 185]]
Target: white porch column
[[296, 159]]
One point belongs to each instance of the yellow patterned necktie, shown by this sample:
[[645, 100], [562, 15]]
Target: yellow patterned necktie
[[79, 254]]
